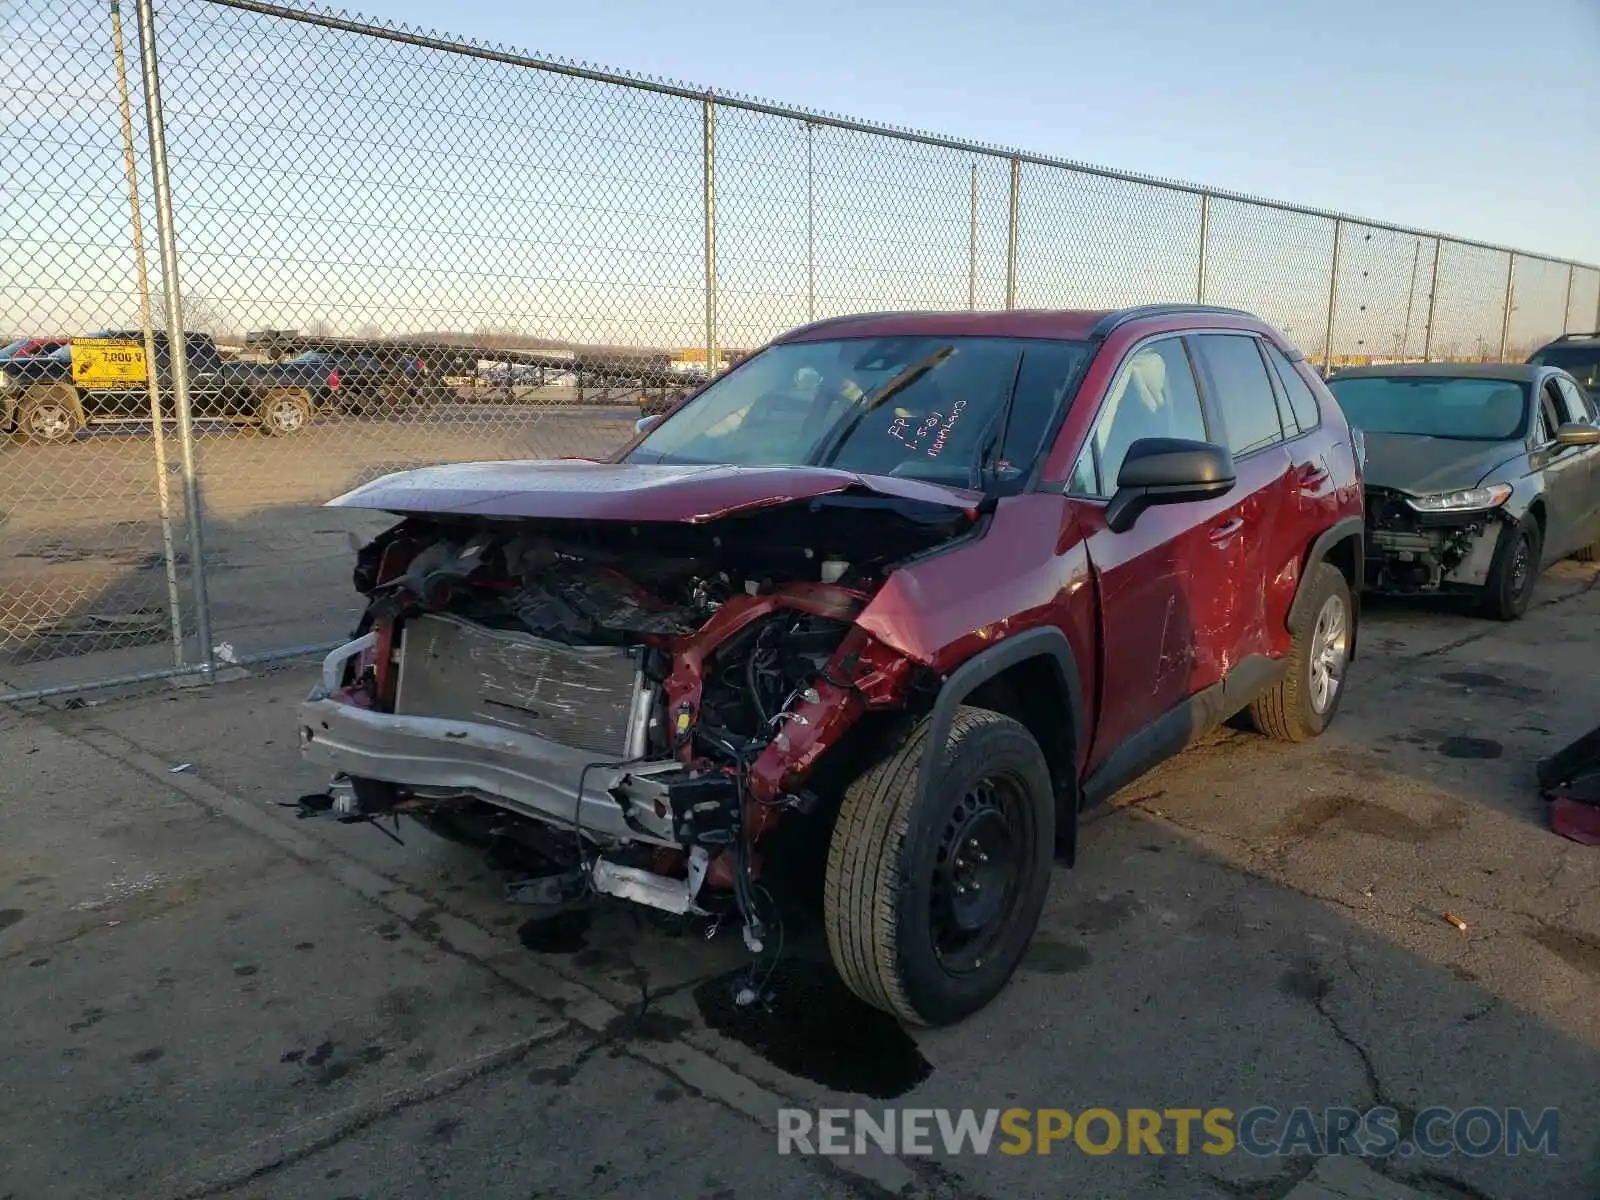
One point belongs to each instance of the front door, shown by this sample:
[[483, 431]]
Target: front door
[[1165, 584]]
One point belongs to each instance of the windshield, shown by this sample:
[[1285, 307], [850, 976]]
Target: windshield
[[312, 356], [62, 353], [1581, 362], [1476, 410], [928, 408]]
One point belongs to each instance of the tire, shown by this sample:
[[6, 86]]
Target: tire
[[1304, 701], [49, 415], [1514, 571], [284, 411], [889, 895]]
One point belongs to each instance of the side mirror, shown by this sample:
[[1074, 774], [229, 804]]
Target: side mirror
[[646, 424], [1573, 434], [1167, 471]]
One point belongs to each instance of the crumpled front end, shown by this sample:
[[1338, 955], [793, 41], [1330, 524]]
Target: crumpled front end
[[1411, 551], [613, 707]]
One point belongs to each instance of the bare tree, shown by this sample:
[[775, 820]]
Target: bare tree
[[202, 314]]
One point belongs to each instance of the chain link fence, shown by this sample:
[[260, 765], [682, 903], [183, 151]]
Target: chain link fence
[[387, 249]]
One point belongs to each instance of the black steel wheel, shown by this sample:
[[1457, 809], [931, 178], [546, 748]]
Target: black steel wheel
[[933, 892]]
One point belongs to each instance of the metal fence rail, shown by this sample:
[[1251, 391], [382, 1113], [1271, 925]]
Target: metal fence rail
[[391, 248]]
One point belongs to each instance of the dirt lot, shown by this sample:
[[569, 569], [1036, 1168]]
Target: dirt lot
[[202, 996]]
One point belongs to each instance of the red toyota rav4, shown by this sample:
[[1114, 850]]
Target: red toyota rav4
[[924, 584]]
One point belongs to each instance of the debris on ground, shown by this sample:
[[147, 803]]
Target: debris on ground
[[1570, 780], [1456, 921]]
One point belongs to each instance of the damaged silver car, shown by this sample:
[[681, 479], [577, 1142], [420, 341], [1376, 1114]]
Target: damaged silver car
[[1478, 476]]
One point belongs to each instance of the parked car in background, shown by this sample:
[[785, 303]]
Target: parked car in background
[[1478, 476], [31, 347], [923, 585], [1578, 354], [101, 380], [363, 381]]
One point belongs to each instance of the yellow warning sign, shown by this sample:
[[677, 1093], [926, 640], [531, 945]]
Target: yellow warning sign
[[107, 363]]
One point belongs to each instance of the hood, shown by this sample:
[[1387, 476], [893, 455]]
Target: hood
[[1418, 464], [574, 489]]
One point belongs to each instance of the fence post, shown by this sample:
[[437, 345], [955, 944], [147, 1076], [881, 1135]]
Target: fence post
[[1433, 297], [1333, 297], [709, 175], [811, 229], [157, 425], [1511, 303], [1011, 234], [177, 345], [972, 245], [1566, 309], [1205, 240]]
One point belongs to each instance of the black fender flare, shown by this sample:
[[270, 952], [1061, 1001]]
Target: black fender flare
[[1344, 529], [1047, 643]]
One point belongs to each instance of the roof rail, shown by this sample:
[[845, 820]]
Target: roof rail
[[1122, 316], [1579, 337]]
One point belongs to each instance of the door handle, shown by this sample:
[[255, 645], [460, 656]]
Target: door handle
[[1222, 532], [1312, 475]]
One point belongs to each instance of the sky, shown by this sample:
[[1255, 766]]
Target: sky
[[1479, 118], [364, 185]]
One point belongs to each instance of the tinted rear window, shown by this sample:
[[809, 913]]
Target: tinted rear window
[[1239, 387]]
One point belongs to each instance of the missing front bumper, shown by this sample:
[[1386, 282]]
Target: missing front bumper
[[523, 772], [1432, 559]]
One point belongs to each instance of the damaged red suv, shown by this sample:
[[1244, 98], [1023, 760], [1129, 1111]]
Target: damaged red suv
[[925, 584]]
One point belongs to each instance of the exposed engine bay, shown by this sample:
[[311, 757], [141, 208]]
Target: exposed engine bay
[[626, 709], [1412, 551]]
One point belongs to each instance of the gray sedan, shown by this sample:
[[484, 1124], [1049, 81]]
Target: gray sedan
[[1478, 476]]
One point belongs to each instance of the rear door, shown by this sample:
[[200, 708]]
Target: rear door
[[1165, 585], [1249, 533], [1311, 501], [1565, 470], [1579, 410]]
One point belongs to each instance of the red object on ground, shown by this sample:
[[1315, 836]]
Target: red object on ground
[[1573, 818]]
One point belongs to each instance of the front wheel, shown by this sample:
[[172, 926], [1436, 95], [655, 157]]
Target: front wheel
[[49, 415], [1304, 701], [932, 894], [1514, 571], [284, 411]]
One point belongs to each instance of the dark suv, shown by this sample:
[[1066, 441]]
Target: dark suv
[[1578, 354], [915, 587]]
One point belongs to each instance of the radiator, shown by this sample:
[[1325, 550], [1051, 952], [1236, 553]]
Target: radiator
[[587, 697]]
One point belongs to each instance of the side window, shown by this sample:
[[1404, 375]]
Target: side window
[[1239, 386], [1307, 413], [1573, 401], [1154, 395], [1549, 410]]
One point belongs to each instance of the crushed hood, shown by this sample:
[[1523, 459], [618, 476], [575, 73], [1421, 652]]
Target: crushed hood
[[584, 490], [1420, 465]]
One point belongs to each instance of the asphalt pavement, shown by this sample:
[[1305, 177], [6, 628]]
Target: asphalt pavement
[[203, 996]]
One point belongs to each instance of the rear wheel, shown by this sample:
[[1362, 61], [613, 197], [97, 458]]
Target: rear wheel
[[49, 414], [1514, 571], [1303, 703], [932, 894], [284, 411]]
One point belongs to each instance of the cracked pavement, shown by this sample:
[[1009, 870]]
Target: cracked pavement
[[204, 997]]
